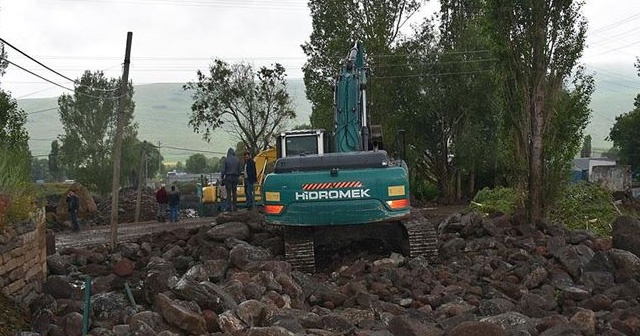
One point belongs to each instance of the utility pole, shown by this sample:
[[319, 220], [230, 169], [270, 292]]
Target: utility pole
[[117, 150], [159, 162], [143, 159]]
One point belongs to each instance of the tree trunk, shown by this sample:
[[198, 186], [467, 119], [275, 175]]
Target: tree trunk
[[536, 159]]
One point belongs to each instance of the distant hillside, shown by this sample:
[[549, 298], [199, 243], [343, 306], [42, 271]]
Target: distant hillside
[[162, 113]]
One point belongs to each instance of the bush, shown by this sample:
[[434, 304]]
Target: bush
[[16, 192], [500, 199], [423, 190], [587, 206]]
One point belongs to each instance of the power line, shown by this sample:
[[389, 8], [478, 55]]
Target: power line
[[192, 150], [35, 74], [208, 3], [434, 63], [616, 24], [35, 60], [432, 74], [42, 111], [46, 67]]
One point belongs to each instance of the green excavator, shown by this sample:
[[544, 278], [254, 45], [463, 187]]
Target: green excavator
[[344, 186]]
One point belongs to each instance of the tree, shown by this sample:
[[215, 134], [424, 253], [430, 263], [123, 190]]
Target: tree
[[585, 152], [196, 164], [40, 169], [624, 135], [3, 60], [89, 121], [251, 106], [538, 44], [13, 133], [336, 25], [54, 161]]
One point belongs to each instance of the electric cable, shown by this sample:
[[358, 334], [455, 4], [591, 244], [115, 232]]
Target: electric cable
[[46, 67]]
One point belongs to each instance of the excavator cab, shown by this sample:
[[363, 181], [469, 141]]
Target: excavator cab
[[302, 143]]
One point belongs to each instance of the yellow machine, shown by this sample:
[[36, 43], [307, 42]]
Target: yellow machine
[[264, 165]]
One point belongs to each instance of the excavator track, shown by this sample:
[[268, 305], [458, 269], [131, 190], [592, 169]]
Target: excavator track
[[423, 238], [299, 249]]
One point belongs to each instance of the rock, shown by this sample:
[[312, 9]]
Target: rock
[[108, 306], [403, 325], [71, 324], [535, 277], [205, 294], [124, 268], [129, 250], [222, 232], [172, 253], [585, 321], [179, 316], [59, 287], [230, 324], [496, 306], [59, 265], [149, 318], [243, 253], [159, 272], [474, 328], [252, 312], [512, 322], [626, 234], [268, 331]]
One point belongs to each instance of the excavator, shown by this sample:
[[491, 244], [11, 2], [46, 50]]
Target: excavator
[[343, 186]]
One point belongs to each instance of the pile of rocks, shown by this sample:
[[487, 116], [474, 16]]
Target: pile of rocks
[[495, 277]]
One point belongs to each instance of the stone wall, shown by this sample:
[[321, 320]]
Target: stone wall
[[23, 260], [614, 178]]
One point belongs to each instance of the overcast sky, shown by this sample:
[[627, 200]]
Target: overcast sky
[[173, 38]]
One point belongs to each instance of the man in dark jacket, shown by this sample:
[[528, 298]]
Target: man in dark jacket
[[250, 178], [73, 204], [230, 176], [174, 204], [163, 200]]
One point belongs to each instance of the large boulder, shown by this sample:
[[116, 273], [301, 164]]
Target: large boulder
[[626, 234]]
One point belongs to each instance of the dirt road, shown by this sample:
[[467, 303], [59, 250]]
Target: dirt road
[[99, 235]]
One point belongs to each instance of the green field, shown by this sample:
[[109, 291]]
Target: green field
[[162, 112]]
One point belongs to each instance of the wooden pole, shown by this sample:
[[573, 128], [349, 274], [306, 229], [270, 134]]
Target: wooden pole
[[139, 194], [117, 150]]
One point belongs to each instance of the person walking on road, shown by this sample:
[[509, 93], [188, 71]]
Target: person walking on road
[[230, 176], [73, 204], [163, 200], [174, 204], [250, 178]]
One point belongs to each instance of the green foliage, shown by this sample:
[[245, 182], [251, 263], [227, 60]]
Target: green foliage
[[624, 135], [16, 193], [423, 190], [587, 206], [196, 164], [13, 133], [564, 135], [336, 24], [252, 106], [499, 199], [89, 119], [538, 44]]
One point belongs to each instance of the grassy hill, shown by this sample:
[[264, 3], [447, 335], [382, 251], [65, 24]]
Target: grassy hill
[[162, 112]]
